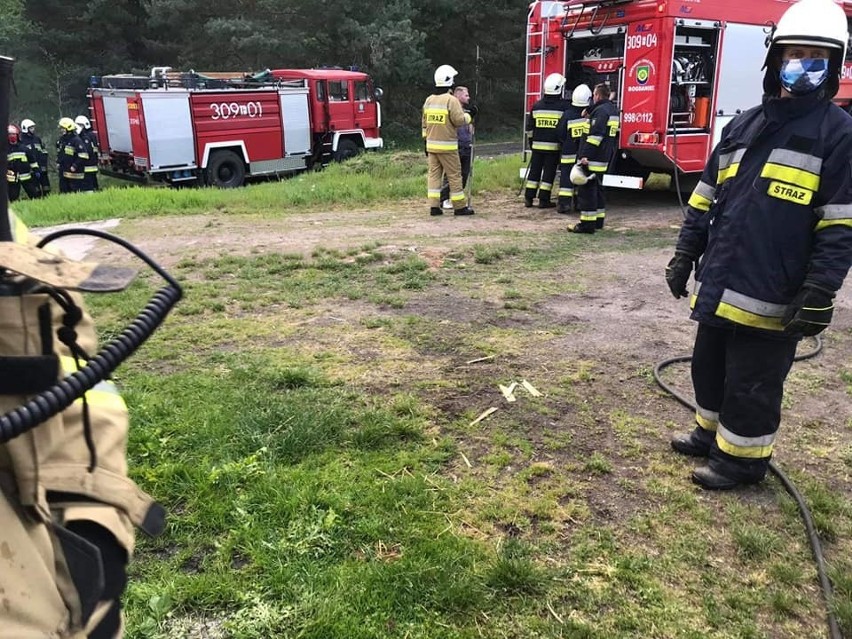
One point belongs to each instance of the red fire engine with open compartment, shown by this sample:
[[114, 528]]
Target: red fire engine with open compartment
[[220, 128], [680, 71]]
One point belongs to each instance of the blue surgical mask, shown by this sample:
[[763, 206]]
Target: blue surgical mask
[[801, 77]]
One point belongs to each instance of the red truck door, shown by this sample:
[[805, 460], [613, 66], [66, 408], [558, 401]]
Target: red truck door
[[340, 105], [365, 109]]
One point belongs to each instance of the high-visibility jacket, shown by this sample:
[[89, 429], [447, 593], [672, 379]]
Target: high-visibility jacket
[[71, 156], [542, 121], [772, 210], [442, 116], [571, 130], [32, 142], [601, 143], [21, 163]]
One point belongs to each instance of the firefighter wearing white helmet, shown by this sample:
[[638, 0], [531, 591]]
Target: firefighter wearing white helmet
[[33, 143], [443, 115], [595, 154], [770, 228], [572, 128], [90, 140], [71, 157], [541, 126]]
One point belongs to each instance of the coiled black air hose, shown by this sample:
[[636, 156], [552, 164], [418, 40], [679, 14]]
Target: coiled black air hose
[[816, 547], [60, 396]]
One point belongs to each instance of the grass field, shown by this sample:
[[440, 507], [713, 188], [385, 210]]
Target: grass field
[[308, 420]]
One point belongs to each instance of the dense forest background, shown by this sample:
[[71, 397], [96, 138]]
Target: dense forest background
[[59, 44]]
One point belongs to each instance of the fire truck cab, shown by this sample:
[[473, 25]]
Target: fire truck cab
[[220, 128], [679, 71]]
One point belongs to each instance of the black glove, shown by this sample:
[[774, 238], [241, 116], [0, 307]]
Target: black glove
[[678, 271], [810, 311], [473, 110]]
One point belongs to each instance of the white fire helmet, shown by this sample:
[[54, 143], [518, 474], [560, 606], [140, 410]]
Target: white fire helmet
[[813, 23], [579, 176], [553, 84], [445, 76], [82, 121], [582, 96], [27, 126]]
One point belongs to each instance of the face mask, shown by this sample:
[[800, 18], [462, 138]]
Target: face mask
[[801, 77]]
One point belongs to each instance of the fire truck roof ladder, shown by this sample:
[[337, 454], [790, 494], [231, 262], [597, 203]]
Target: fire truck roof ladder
[[595, 5]]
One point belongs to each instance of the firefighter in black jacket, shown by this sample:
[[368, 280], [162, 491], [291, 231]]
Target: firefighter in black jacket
[[770, 225], [595, 154], [33, 142], [84, 130], [22, 167], [572, 128], [541, 127], [71, 157]]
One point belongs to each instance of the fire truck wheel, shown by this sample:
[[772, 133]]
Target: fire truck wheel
[[226, 170], [346, 149]]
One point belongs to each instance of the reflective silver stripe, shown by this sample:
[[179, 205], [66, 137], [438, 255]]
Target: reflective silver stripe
[[753, 305], [577, 122], [728, 159], [705, 190], [569, 158], [834, 211], [745, 442], [547, 114], [614, 118], [810, 163]]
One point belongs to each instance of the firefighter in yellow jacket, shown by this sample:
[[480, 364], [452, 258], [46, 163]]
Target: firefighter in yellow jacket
[[442, 116], [67, 505]]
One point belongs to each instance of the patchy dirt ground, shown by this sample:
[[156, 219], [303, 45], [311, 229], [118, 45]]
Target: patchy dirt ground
[[623, 322], [589, 348]]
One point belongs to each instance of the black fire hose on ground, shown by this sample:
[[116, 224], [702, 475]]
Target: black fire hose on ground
[[813, 538]]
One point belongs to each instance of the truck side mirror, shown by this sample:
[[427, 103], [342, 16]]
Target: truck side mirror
[[378, 93]]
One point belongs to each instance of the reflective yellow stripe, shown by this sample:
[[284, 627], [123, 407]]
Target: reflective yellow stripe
[[588, 216], [442, 145], [698, 202], [708, 420], [544, 186], [727, 173], [457, 197], [826, 223], [91, 169], [595, 139], [790, 175], [746, 447], [20, 232], [545, 146], [747, 318]]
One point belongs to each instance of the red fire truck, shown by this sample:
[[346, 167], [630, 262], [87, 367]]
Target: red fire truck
[[680, 71], [220, 128]]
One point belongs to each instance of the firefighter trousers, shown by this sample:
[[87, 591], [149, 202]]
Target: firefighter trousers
[[30, 187], [591, 202], [738, 377], [441, 164], [566, 187], [540, 175]]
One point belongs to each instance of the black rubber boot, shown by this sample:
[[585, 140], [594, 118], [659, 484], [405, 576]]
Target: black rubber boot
[[564, 209], [528, 202], [436, 210], [546, 204], [599, 223], [582, 227], [695, 444], [465, 211], [709, 479]]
